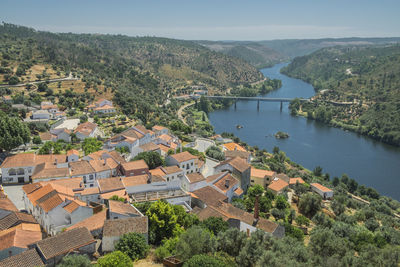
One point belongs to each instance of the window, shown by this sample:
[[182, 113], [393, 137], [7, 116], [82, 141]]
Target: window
[[252, 181], [20, 171], [12, 172], [29, 170], [172, 177], [191, 164], [91, 177], [187, 166], [91, 185], [167, 179]]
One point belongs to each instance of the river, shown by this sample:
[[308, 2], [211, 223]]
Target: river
[[311, 143]]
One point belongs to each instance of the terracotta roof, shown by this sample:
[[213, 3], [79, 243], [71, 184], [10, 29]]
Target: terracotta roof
[[237, 153], [183, 156], [226, 183], [28, 258], [238, 191], [210, 211], [117, 157], [135, 180], [158, 128], [120, 193], [105, 107], [195, 177], [39, 193], [50, 201], [233, 146], [92, 223], [15, 218], [296, 180], [238, 163], [278, 185], [7, 97], [86, 128], [29, 188], [72, 152], [20, 236], [71, 207], [142, 129], [101, 100], [119, 227], [110, 184], [122, 208], [149, 147], [212, 178], [209, 195], [46, 136], [246, 217], [261, 173], [172, 169], [80, 168], [164, 148], [102, 165], [7, 204], [64, 242], [166, 137], [321, 187], [48, 170], [50, 159], [157, 171], [19, 160], [134, 165]]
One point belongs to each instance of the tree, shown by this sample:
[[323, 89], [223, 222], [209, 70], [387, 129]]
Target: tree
[[134, 245], [185, 219], [13, 80], [194, 241], [317, 171], [13, 132], [215, 225], [231, 241], [281, 202], [83, 118], [302, 220], [152, 159], [162, 222], [75, 261], [115, 259], [325, 243], [36, 140], [91, 145], [258, 242], [204, 260], [204, 105], [310, 204]]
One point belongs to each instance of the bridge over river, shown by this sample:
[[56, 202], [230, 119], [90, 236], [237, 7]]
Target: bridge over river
[[256, 98]]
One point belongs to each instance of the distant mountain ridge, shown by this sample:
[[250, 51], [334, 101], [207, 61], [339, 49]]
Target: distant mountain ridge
[[266, 53]]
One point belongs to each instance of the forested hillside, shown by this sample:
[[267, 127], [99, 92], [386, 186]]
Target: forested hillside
[[256, 54], [361, 88]]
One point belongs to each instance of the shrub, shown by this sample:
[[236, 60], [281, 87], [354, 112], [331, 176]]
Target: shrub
[[116, 258], [134, 245], [75, 261], [204, 260]]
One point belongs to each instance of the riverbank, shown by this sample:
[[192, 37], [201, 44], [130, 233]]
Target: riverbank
[[311, 143]]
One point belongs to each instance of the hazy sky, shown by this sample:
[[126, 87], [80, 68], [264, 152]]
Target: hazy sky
[[211, 19]]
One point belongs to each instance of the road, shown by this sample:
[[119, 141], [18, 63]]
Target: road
[[181, 110], [69, 78]]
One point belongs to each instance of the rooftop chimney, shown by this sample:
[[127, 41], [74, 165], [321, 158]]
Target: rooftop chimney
[[105, 161], [55, 162], [227, 183], [149, 178], [256, 210]]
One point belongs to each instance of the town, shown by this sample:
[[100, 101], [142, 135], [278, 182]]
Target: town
[[90, 198]]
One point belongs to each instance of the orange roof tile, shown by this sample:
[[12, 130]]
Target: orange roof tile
[[261, 173], [233, 146], [296, 180], [50, 203], [38, 194], [135, 180], [321, 187], [226, 183], [72, 152], [134, 165], [278, 185], [94, 222], [183, 156], [71, 207], [120, 193], [157, 171]]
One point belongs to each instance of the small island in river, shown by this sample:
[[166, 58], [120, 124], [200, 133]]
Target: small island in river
[[281, 135]]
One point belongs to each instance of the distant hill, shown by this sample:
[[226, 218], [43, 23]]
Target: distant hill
[[257, 54], [266, 53], [367, 76]]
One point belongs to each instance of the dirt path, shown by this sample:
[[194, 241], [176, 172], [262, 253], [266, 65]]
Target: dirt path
[[181, 110]]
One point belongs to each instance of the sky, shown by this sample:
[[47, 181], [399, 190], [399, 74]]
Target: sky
[[210, 19]]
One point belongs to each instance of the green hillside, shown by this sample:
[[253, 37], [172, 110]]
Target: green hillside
[[365, 78], [256, 54]]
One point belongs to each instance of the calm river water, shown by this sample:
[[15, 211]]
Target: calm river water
[[311, 143]]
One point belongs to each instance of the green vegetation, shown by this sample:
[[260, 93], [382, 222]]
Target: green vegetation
[[51, 147], [360, 89], [75, 261], [13, 132], [117, 198], [152, 159], [90, 145], [134, 245], [252, 90], [116, 258], [205, 260], [215, 153]]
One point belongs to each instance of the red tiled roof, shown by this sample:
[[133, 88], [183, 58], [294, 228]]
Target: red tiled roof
[[183, 156], [278, 185], [321, 187]]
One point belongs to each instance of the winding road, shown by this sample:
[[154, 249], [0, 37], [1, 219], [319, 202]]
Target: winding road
[[68, 78], [180, 110]]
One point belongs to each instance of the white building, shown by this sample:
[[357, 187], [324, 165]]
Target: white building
[[185, 161], [323, 191], [41, 115]]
